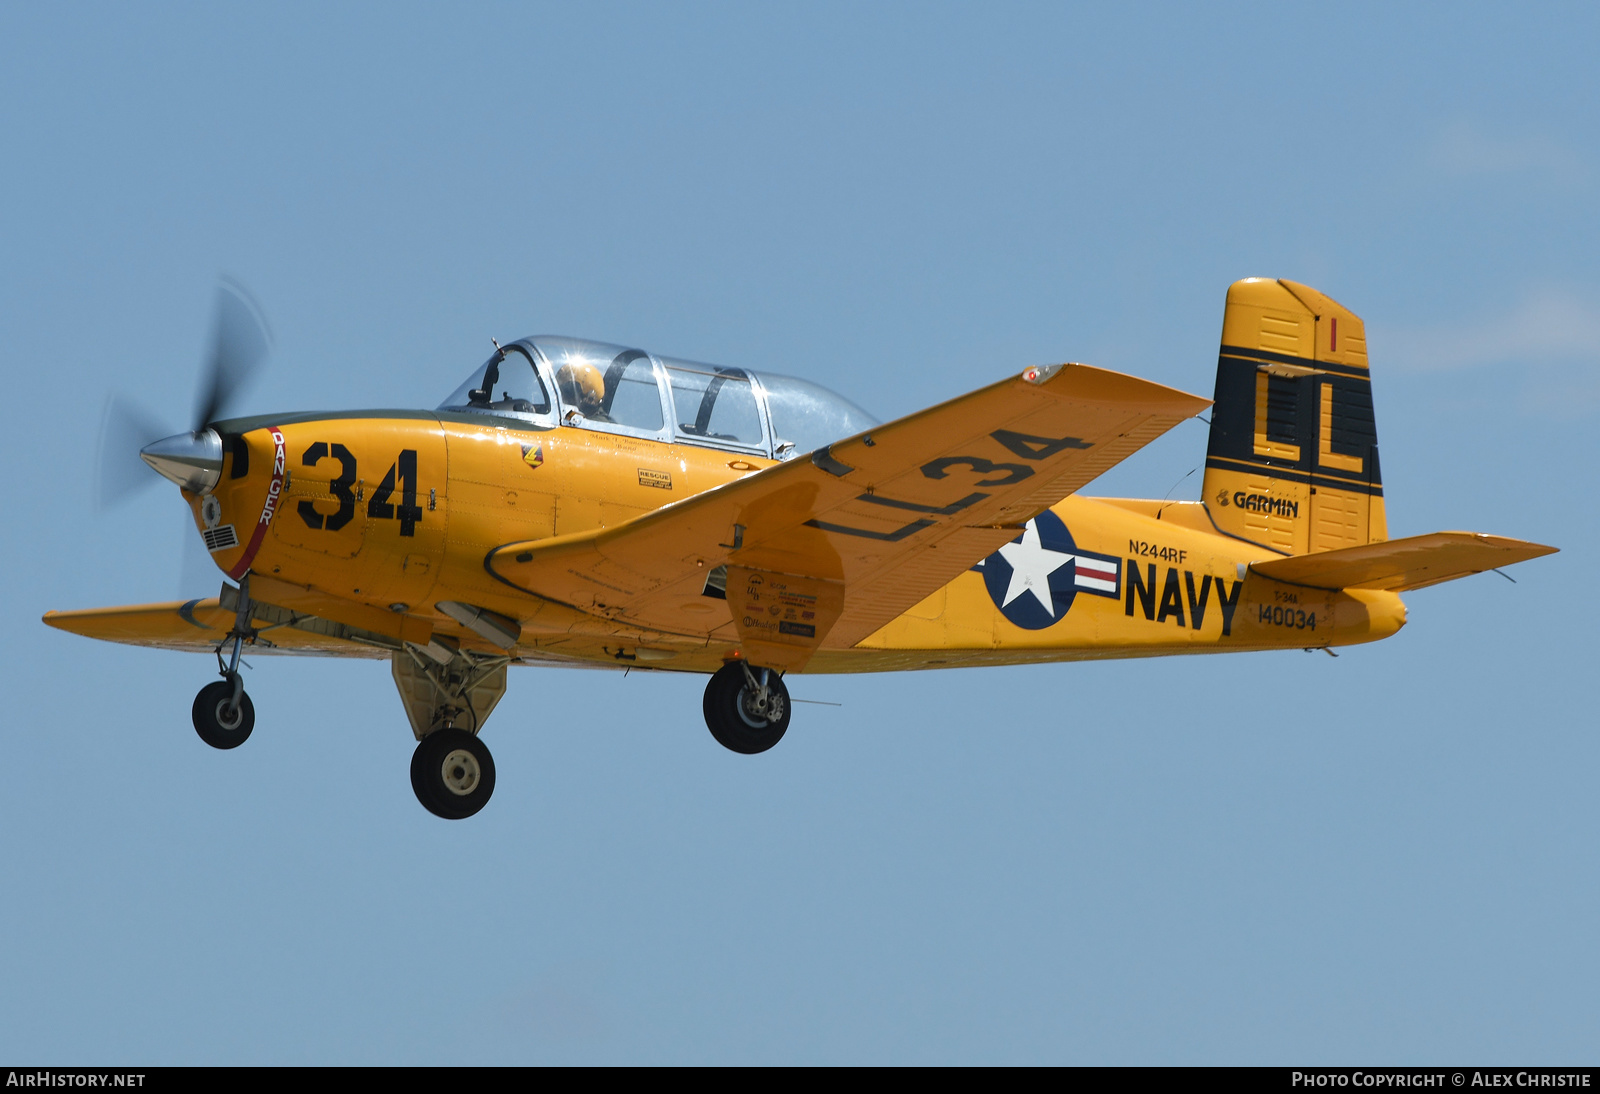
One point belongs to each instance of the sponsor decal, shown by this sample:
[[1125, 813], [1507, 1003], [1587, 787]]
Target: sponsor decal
[[1034, 579], [1262, 503], [779, 607]]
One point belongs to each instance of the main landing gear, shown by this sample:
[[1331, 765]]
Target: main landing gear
[[448, 694], [452, 773], [746, 707], [223, 714]]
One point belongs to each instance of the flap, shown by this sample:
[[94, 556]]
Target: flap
[[891, 515], [1401, 564]]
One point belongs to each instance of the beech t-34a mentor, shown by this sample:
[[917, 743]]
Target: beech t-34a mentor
[[574, 503]]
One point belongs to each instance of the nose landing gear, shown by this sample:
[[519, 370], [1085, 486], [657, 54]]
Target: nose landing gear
[[747, 709], [223, 714]]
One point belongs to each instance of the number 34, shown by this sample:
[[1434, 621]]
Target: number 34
[[402, 473]]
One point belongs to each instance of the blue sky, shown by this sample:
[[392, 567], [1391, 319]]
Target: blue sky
[[1274, 858]]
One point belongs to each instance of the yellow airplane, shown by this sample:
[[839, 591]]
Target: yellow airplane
[[574, 503]]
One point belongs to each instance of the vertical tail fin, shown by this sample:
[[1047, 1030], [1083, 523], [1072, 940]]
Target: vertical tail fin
[[1293, 458]]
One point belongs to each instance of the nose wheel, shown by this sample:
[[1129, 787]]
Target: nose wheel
[[746, 708], [452, 773], [223, 714]]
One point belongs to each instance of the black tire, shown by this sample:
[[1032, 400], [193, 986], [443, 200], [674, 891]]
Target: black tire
[[211, 721], [452, 773], [730, 713]]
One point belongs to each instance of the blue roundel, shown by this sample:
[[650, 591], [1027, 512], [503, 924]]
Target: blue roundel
[[1033, 579]]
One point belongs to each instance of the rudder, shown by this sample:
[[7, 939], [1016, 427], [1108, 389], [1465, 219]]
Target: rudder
[[1292, 462]]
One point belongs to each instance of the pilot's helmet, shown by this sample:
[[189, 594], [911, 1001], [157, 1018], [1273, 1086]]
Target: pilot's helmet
[[581, 385]]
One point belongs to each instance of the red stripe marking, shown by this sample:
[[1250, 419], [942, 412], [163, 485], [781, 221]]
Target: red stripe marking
[[274, 495], [1333, 334]]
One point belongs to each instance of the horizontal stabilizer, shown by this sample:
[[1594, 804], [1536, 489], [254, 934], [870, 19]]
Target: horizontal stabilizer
[[1397, 565]]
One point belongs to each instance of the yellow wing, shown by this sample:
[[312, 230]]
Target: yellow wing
[[864, 528], [199, 626], [1399, 565]]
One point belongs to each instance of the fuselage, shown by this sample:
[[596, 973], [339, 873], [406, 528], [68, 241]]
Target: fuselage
[[373, 518]]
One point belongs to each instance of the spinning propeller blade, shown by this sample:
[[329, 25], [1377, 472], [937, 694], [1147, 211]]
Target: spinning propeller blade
[[239, 343], [125, 428]]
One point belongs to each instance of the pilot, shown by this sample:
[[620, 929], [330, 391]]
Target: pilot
[[582, 387]]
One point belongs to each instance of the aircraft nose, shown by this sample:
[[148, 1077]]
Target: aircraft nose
[[192, 460]]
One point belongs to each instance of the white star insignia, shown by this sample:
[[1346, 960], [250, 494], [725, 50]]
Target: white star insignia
[[1031, 566]]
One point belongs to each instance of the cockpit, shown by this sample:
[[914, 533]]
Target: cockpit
[[546, 381]]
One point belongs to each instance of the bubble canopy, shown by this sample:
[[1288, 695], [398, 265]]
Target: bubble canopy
[[549, 380]]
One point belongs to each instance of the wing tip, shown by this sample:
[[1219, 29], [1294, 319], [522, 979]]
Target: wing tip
[[1122, 386], [1526, 547]]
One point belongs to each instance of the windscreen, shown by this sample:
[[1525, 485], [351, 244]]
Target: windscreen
[[507, 381]]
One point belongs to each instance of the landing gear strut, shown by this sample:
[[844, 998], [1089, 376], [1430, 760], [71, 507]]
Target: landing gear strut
[[747, 708], [223, 714]]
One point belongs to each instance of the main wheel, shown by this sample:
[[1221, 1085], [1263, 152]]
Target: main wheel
[[452, 773], [218, 726], [737, 714]]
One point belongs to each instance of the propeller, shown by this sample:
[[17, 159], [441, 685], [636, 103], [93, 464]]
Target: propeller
[[239, 344], [125, 427]]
